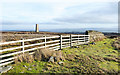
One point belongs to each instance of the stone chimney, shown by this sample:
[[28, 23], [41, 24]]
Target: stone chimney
[[37, 28]]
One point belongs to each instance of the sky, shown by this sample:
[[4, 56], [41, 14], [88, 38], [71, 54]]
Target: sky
[[58, 14]]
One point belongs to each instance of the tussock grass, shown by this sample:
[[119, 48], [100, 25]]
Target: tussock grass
[[24, 58], [116, 44], [45, 54]]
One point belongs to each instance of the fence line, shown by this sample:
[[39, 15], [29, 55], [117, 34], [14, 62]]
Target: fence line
[[57, 43]]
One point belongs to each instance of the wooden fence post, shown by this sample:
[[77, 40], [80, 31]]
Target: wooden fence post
[[60, 42], [23, 45], [70, 40], [84, 39], [78, 39], [88, 38], [45, 41]]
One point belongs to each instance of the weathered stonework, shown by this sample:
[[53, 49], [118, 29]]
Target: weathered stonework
[[95, 35]]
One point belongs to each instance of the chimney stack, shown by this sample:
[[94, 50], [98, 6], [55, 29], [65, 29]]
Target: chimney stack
[[37, 28]]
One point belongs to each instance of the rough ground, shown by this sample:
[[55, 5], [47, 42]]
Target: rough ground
[[13, 36], [101, 57]]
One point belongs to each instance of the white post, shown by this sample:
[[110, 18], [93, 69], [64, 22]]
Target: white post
[[84, 39], [78, 39], [70, 40], [45, 41], [88, 39], [23, 45], [60, 42]]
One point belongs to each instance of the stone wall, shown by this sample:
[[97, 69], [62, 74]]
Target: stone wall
[[95, 35]]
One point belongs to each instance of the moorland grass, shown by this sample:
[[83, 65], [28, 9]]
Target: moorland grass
[[98, 58]]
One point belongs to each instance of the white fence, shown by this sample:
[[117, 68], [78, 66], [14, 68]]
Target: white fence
[[7, 56]]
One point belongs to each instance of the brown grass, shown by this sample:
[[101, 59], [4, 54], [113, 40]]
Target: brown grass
[[116, 44], [70, 57], [97, 58], [40, 55], [24, 58], [59, 55], [111, 59], [45, 54]]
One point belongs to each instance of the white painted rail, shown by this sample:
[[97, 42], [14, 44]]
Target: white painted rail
[[53, 42]]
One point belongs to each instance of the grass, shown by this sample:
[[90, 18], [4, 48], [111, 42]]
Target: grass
[[36, 67], [98, 58]]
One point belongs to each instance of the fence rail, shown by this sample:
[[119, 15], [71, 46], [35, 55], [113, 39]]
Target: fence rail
[[53, 42]]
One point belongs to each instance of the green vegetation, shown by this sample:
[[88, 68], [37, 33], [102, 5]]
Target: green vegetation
[[98, 58]]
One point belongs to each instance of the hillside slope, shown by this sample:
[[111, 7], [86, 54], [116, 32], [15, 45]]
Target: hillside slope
[[98, 58]]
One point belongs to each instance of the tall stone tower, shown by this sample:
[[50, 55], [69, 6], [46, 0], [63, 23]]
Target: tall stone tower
[[37, 28]]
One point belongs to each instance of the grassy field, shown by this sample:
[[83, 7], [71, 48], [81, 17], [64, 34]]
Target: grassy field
[[98, 58]]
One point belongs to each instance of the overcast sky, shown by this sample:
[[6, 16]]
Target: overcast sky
[[57, 14]]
